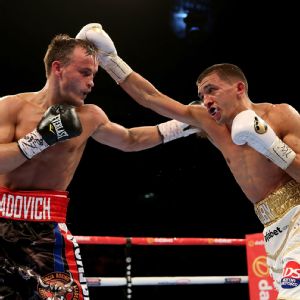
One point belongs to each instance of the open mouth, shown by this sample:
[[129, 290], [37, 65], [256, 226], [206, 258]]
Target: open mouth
[[212, 111]]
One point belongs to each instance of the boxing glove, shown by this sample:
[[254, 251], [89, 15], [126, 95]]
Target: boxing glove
[[174, 129], [60, 122], [107, 53], [249, 128]]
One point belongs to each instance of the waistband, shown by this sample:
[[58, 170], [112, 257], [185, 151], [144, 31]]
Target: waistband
[[278, 203], [38, 206]]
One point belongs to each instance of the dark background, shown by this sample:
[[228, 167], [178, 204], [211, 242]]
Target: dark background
[[183, 188]]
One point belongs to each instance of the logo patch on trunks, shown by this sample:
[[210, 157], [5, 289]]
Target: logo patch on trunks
[[58, 286], [290, 275]]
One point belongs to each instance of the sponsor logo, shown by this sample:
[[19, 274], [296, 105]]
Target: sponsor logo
[[260, 126], [58, 286], [272, 233], [290, 275], [264, 289], [233, 280], [160, 240], [252, 243], [260, 267], [51, 128], [59, 128]]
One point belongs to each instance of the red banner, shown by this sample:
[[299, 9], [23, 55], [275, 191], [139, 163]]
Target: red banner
[[260, 282]]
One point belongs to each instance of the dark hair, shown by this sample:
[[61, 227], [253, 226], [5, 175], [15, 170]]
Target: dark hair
[[226, 72], [62, 46]]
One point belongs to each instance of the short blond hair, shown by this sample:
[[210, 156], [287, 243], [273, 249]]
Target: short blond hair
[[62, 46]]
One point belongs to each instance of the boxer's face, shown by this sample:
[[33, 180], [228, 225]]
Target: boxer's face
[[218, 96], [77, 77]]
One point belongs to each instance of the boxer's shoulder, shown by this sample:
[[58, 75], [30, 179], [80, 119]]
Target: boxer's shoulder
[[273, 111], [11, 106], [21, 99], [91, 111]]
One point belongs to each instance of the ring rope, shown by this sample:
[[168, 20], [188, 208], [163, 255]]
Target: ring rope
[[159, 241], [176, 280], [130, 281]]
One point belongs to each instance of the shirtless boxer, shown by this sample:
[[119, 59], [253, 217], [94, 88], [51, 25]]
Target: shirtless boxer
[[259, 141], [42, 138]]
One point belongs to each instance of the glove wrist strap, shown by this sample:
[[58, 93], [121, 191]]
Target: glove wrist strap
[[281, 154], [170, 131], [117, 68], [32, 144]]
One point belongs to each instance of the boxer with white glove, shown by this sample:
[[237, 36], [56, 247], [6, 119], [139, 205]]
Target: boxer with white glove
[[174, 129], [249, 128], [107, 53], [60, 122]]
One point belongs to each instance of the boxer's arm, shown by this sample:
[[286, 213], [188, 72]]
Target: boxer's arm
[[141, 138], [141, 90], [137, 138], [248, 128], [135, 85], [10, 155], [127, 140]]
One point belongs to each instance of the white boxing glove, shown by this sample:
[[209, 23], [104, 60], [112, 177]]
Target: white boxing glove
[[249, 128], [107, 53], [174, 129]]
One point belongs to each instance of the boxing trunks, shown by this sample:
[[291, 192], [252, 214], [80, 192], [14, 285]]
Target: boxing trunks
[[39, 258], [280, 214]]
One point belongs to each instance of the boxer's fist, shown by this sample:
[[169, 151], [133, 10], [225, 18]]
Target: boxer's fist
[[60, 122], [107, 53], [249, 128], [174, 129], [94, 33]]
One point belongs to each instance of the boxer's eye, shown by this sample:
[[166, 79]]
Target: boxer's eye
[[201, 97]]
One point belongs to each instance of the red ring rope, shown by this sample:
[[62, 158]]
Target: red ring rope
[[154, 241]]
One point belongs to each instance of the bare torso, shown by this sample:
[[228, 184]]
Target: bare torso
[[256, 175], [56, 167]]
